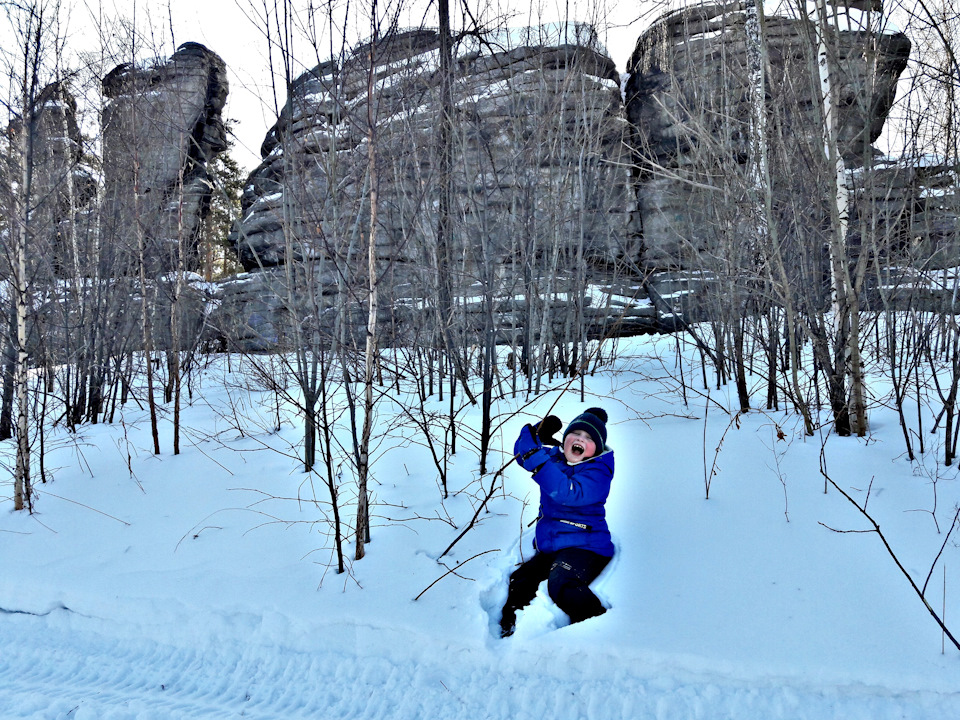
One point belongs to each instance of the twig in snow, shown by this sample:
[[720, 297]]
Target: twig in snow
[[453, 571], [956, 517], [896, 560], [101, 512], [473, 521]]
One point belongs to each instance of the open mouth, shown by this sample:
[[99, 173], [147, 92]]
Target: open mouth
[[577, 448]]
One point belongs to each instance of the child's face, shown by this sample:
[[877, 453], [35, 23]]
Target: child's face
[[578, 446]]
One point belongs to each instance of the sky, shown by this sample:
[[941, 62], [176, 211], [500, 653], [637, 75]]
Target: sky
[[234, 30]]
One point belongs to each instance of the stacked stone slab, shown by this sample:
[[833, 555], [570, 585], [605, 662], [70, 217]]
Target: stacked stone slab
[[161, 126], [688, 101], [913, 203], [62, 183], [537, 138]]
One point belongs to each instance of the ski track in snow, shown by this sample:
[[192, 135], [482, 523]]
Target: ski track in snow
[[68, 673]]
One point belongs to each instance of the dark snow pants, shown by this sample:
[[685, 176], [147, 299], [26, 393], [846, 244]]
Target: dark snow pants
[[568, 574]]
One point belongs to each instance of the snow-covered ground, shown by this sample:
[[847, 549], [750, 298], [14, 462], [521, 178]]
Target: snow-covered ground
[[200, 585]]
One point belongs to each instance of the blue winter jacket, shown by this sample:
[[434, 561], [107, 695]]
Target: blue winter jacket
[[572, 498]]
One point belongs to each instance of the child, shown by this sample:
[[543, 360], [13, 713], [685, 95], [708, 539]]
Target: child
[[572, 544]]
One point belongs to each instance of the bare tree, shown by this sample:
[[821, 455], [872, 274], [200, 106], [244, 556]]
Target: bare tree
[[35, 27]]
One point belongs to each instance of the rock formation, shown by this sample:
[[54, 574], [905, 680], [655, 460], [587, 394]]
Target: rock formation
[[537, 174], [161, 126], [62, 183], [688, 102], [915, 205]]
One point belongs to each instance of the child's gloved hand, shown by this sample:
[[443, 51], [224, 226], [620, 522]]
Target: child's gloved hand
[[527, 441], [547, 428], [528, 449]]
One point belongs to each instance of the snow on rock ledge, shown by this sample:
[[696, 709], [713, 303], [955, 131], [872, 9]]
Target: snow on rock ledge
[[538, 146]]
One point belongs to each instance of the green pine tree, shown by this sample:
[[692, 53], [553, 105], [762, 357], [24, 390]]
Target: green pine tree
[[218, 258]]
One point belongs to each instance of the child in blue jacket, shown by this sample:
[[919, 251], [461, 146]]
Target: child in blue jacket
[[573, 543]]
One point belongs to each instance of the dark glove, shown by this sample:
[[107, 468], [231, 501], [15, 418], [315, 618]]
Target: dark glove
[[528, 450], [547, 428]]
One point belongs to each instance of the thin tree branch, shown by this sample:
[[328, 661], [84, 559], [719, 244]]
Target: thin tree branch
[[453, 571], [896, 560]]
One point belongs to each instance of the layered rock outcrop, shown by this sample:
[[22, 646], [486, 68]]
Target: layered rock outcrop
[[62, 182], [914, 204], [537, 187], [689, 104], [161, 126]]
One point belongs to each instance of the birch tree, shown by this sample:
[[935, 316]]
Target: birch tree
[[846, 381], [34, 26]]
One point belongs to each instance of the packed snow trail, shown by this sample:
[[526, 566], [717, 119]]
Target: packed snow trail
[[76, 673]]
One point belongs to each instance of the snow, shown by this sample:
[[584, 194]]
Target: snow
[[200, 585]]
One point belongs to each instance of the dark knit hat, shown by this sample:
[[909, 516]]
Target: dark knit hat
[[593, 422]]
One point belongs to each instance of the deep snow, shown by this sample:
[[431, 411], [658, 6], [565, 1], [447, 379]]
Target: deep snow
[[200, 586]]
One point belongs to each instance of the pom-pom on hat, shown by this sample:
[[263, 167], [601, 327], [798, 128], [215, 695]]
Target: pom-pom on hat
[[593, 421]]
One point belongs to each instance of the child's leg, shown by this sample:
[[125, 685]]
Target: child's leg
[[524, 582], [571, 573]]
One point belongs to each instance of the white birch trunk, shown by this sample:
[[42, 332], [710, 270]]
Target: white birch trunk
[[832, 152], [178, 284], [845, 303], [22, 489], [758, 121], [22, 200], [766, 233], [363, 469]]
